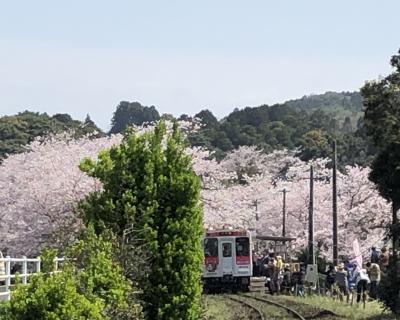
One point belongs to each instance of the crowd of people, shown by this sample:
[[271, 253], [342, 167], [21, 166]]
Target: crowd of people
[[348, 278], [345, 280], [280, 277]]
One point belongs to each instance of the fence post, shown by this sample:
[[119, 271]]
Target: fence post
[[38, 265], [24, 270], [55, 264], [8, 276]]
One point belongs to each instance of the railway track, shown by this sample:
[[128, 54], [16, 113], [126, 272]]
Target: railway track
[[277, 304], [252, 307]]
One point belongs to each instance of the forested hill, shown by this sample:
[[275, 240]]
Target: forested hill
[[308, 124], [329, 101], [18, 130], [340, 105]]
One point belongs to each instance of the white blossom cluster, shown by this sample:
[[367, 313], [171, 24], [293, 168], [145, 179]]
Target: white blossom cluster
[[40, 188], [362, 213]]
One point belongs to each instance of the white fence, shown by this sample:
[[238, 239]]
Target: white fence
[[29, 267]]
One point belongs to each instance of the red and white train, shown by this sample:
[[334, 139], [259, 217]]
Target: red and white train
[[227, 260]]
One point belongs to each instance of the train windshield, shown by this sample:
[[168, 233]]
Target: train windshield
[[242, 247], [211, 247], [226, 249]]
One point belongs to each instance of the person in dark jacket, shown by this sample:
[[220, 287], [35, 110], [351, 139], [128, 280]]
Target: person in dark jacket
[[263, 264], [374, 256], [301, 280], [330, 278], [342, 281], [287, 280]]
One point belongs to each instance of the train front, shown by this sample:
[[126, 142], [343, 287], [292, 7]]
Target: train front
[[227, 260]]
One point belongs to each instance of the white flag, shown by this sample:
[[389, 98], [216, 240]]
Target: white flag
[[357, 254]]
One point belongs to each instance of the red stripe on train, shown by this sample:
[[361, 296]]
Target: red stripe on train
[[240, 260], [211, 260]]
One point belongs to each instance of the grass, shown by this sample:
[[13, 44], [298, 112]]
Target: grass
[[373, 310], [219, 307]]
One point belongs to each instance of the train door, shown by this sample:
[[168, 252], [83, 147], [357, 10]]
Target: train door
[[211, 260], [227, 257]]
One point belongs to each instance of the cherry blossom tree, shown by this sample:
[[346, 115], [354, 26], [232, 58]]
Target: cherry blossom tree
[[363, 214], [40, 188]]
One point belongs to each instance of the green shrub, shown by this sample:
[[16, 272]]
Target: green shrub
[[90, 286], [99, 277], [47, 257], [52, 297], [151, 195]]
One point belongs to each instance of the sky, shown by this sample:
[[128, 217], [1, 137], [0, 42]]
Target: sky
[[84, 57]]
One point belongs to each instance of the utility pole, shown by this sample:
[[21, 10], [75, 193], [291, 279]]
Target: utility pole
[[311, 255], [284, 191], [334, 206]]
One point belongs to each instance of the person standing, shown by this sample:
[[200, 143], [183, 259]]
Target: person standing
[[271, 273], [374, 273], [374, 256], [301, 280], [256, 260], [287, 279], [279, 262], [330, 278], [341, 280], [362, 281], [351, 280], [278, 273], [263, 264]]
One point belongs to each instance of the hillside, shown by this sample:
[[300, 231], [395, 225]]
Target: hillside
[[329, 101], [18, 130], [339, 104], [309, 124]]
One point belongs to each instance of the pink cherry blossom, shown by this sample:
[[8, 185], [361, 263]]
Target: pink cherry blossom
[[40, 188]]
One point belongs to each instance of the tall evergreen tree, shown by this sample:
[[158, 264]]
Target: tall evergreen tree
[[151, 192], [382, 122], [207, 118], [128, 113]]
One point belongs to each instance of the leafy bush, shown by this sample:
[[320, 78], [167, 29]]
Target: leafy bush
[[151, 199], [47, 257], [99, 277], [90, 286], [54, 297]]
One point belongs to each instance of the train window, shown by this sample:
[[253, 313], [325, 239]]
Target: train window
[[242, 247], [211, 247], [226, 249]]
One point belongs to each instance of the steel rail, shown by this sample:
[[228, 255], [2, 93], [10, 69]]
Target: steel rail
[[258, 311], [292, 311]]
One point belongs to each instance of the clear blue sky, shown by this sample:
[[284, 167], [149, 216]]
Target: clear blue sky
[[85, 56]]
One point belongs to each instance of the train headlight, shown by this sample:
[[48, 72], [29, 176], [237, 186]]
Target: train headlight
[[211, 267]]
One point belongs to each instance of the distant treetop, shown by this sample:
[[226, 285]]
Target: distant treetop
[[132, 113]]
